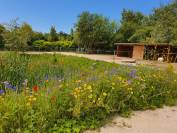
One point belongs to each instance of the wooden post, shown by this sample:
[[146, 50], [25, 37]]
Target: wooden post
[[117, 50], [168, 54]]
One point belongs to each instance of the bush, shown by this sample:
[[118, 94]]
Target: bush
[[45, 45]]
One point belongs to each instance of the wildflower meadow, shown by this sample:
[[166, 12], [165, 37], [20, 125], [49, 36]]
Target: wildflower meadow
[[56, 93]]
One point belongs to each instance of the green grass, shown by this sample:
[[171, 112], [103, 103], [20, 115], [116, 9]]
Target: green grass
[[55, 93]]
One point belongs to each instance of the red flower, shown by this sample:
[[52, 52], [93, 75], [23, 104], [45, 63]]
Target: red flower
[[35, 88], [53, 99]]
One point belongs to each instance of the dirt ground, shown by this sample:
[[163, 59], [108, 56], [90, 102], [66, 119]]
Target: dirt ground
[[158, 121], [115, 59]]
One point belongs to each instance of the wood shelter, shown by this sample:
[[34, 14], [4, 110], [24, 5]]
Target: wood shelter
[[147, 51]]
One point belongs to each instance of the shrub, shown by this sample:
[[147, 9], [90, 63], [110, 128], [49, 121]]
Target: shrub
[[41, 44]]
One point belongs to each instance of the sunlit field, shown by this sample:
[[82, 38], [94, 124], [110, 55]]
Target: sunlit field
[[56, 93]]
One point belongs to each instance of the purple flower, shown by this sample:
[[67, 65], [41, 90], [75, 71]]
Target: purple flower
[[46, 77], [113, 71], [2, 92], [9, 86], [129, 82], [132, 74]]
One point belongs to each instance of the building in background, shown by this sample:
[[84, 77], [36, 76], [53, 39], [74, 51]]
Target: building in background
[[142, 51]]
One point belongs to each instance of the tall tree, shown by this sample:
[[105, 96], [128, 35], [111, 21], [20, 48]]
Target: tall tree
[[18, 36], [2, 30], [94, 31], [164, 22], [130, 23], [53, 34]]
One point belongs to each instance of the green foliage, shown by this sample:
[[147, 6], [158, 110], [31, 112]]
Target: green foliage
[[17, 36], [131, 29], [160, 27], [2, 30], [53, 35], [72, 94], [37, 36], [41, 44], [94, 31], [164, 24]]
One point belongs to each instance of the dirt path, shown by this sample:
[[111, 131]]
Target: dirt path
[[158, 121], [115, 59], [100, 57]]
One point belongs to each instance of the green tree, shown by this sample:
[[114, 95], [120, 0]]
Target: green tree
[[94, 31], [164, 22], [131, 27], [53, 34], [18, 36], [2, 30]]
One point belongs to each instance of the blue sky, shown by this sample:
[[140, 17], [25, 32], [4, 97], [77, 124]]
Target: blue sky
[[41, 14]]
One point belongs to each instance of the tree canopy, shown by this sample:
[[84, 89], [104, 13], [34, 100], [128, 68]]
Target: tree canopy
[[159, 27], [53, 34], [17, 36], [94, 31]]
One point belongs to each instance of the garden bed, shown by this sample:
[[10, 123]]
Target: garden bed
[[55, 93]]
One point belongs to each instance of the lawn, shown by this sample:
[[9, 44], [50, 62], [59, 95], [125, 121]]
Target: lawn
[[56, 93]]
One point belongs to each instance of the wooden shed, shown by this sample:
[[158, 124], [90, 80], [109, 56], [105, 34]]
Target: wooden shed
[[132, 50], [147, 51]]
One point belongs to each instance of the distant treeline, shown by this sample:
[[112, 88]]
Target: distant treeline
[[94, 31]]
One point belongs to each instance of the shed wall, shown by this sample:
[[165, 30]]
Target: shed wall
[[138, 52]]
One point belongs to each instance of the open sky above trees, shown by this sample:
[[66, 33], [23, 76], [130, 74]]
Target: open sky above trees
[[95, 31], [41, 14]]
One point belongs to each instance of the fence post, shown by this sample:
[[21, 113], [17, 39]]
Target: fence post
[[114, 56]]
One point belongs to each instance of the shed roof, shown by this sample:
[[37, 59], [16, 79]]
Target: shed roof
[[132, 44]]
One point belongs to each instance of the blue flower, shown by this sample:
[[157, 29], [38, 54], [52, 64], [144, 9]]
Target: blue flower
[[2, 92], [9, 86], [132, 74]]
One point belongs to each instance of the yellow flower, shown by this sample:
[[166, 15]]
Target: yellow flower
[[90, 96], [30, 99], [28, 104], [78, 81], [113, 88], [89, 87], [75, 96], [99, 99], [27, 88], [120, 78], [61, 86], [85, 85], [77, 90], [34, 99], [104, 94], [130, 89], [1, 98], [113, 84]]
